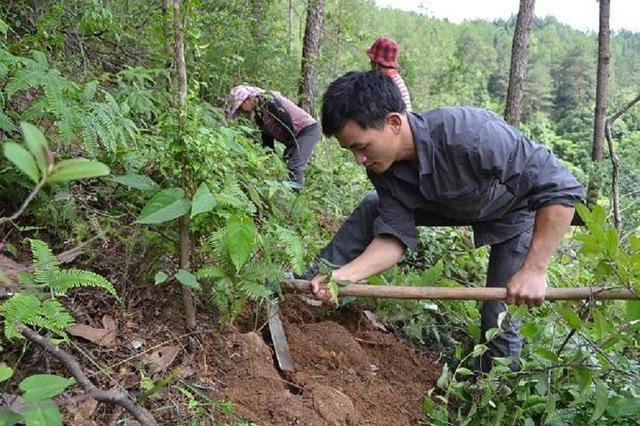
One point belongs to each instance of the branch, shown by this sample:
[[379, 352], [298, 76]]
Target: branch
[[25, 204], [624, 109], [140, 413]]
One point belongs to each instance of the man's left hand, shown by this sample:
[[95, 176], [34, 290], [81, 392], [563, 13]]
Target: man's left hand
[[527, 287]]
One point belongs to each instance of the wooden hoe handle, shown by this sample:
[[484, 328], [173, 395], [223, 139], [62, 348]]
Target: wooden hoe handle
[[466, 293]]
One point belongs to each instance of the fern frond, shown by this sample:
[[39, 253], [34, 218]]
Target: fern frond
[[46, 265], [5, 122], [89, 132], [254, 290], [232, 195], [59, 106], [105, 125], [217, 243], [294, 247], [26, 78], [27, 309], [67, 279]]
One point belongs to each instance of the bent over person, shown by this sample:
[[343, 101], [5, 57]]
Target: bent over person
[[448, 166], [383, 55], [279, 119]]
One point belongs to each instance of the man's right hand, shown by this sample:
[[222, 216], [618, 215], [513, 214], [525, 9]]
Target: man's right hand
[[319, 289]]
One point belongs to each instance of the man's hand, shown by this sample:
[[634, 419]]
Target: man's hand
[[319, 289], [527, 287]]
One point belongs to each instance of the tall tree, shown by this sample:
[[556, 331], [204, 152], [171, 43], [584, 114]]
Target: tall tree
[[519, 58], [310, 48], [602, 97], [185, 241]]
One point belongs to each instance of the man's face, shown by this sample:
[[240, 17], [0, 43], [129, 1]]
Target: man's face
[[247, 106], [376, 149]]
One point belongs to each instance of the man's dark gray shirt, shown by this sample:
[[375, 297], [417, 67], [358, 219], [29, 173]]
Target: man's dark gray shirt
[[473, 169]]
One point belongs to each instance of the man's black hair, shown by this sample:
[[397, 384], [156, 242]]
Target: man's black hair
[[364, 97]]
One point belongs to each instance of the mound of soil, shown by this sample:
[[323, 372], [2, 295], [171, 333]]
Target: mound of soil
[[347, 372]]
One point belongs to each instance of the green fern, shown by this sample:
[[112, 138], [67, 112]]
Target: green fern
[[294, 247], [74, 107], [67, 279], [27, 309], [46, 265], [50, 314]]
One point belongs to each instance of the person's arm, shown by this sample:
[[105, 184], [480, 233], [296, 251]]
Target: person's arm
[[529, 284], [382, 253]]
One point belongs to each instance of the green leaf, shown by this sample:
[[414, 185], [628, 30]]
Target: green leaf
[[203, 200], [570, 316], [5, 372], [21, 158], [240, 239], [464, 371], [77, 168], [160, 277], [334, 291], [141, 182], [547, 354], [443, 380], [602, 399], [37, 144], [633, 310], [10, 418], [479, 350], [583, 377], [529, 330], [186, 278], [40, 387], [166, 205], [44, 413]]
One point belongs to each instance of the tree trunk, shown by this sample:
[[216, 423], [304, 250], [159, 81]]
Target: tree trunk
[[310, 49], [602, 97], [185, 242], [519, 59]]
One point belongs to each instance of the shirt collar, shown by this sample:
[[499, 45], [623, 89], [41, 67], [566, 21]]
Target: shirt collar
[[422, 141]]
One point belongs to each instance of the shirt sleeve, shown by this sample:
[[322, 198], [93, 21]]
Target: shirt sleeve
[[394, 218], [528, 170]]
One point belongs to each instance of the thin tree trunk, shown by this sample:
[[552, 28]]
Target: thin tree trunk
[[310, 49], [519, 60], [602, 96], [290, 48], [185, 241], [615, 173]]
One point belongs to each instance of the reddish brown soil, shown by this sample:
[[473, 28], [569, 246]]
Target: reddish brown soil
[[347, 371]]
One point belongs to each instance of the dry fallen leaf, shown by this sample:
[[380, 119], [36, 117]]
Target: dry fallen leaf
[[83, 411], [101, 336], [162, 358]]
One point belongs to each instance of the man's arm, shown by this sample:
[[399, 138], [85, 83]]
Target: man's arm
[[382, 253], [529, 284]]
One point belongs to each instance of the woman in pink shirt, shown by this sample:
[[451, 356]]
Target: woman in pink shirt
[[278, 118], [383, 54]]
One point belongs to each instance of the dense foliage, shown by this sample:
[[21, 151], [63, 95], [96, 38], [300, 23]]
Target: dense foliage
[[98, 79]]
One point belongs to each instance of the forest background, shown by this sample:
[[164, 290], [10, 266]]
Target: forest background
[[197, 202]]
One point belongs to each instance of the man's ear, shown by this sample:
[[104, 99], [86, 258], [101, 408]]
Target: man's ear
[[394, 120]]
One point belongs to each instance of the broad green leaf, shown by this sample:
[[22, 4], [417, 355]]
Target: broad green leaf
[[188, 279], [21, 158], [37, 144], [583, 377], [141, 182], [5, 372], [203, 200], [602, 399], [77, 168], [529, 330], [45, 413], [166, 205], [547, 354], [240, 239], [44, 386], [160, 277], [624, 407], [633, 310], [570, 316], [479, 350]]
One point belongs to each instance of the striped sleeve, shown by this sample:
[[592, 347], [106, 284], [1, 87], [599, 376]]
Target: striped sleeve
[[403, 90]]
